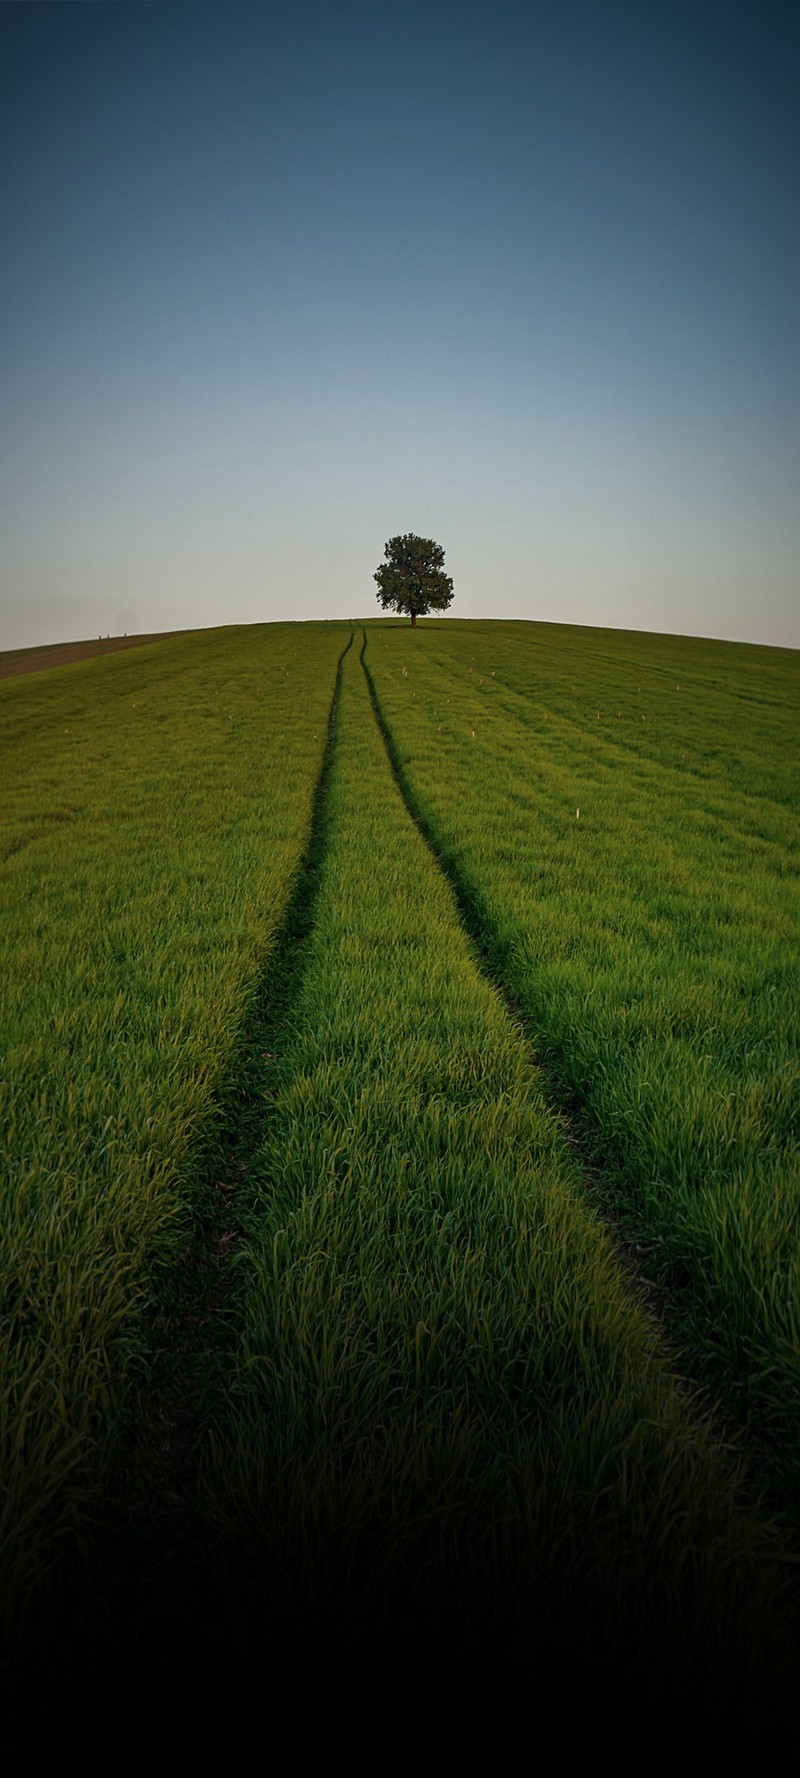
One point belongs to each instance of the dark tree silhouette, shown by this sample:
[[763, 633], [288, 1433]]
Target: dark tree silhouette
[[411, 579]]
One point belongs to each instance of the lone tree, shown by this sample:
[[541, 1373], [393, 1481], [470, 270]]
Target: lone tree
[[411, 579]]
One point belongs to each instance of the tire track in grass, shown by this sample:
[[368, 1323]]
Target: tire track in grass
[[233, 1138], [718, 1430], [652, 955], [149, 1574], [475, 919], [630, 1249], [443, 1393], [452, 1446], [724, 1298]]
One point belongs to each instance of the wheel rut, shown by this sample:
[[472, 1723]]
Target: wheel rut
[[628, 1246], [155, 1608], [233, 1135], [153, 1524]]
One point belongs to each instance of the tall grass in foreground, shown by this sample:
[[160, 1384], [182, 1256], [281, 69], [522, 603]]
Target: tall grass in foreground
[[448, 1422], [157, 803], [619, 814]]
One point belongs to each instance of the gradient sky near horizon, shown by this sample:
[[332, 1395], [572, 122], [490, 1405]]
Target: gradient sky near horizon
[[281, 280]]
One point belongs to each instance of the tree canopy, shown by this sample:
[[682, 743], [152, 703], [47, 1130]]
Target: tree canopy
[[411, 580]]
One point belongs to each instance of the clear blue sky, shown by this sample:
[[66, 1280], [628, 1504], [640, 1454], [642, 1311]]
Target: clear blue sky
[[279, 281]]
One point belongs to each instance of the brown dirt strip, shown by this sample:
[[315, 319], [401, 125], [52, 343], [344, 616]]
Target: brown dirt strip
[[60, 654]]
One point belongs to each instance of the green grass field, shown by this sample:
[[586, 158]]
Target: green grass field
[[651, 940], [400, 1241], [157, 807]]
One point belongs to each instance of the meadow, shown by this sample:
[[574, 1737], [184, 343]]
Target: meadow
[[439, 986], [156, 808], [618, 815]]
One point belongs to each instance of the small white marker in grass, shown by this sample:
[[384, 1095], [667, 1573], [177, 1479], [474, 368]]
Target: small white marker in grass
[[577, 814]]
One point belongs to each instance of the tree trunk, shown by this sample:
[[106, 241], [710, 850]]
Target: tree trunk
[[413, 620]]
